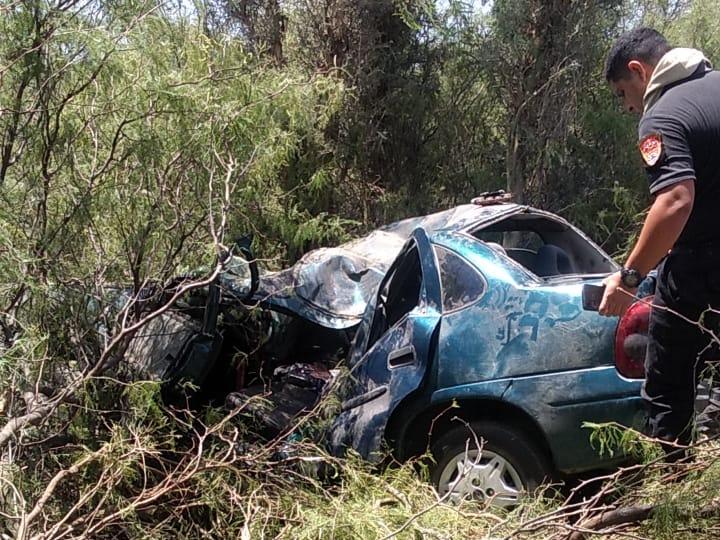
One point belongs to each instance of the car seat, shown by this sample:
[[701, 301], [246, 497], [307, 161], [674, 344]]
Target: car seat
[[552, 260]]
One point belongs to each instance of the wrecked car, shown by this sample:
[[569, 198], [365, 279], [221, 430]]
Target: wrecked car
[[463, 332]]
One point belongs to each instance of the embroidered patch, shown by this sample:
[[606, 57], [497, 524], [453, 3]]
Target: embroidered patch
[[651, 149]]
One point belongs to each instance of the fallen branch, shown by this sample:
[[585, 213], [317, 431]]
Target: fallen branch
[[37, 412], [632, 514], [610, 518], [50, 489]]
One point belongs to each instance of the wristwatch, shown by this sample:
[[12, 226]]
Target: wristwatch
[[630, 277]]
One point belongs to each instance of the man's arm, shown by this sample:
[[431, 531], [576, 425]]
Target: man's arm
[[664, 223]]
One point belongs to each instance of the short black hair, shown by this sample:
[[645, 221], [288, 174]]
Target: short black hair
[[645, 44]]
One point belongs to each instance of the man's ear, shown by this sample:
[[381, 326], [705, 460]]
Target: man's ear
[[640, 69]]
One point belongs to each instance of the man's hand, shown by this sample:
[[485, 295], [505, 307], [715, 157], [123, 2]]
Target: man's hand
[[617, 297]]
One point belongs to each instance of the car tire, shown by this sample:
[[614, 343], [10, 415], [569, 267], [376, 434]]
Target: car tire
[[510, 466]]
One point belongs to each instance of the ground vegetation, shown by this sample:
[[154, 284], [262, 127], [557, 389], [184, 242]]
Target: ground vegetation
[[141, 140]]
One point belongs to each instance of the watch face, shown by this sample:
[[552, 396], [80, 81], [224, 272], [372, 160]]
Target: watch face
[[630, 278]]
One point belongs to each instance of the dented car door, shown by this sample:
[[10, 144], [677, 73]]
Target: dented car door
[[393, 348]]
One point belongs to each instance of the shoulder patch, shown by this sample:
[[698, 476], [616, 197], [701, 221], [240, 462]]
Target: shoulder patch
[[651, 148]]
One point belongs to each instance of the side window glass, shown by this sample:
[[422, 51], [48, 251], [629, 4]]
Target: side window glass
[[461, 283], [398, 295]]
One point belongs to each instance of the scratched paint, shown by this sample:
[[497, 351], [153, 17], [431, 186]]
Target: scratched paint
[[525, 340], [554, 360], [332, 286]]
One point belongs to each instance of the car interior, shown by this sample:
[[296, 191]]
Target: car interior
[[399, 293], [544, 246]]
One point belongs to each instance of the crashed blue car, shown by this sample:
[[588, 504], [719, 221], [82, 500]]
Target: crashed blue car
[[463, 333]]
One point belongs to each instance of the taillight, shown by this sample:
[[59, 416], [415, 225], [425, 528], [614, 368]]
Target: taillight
[[631, 340]]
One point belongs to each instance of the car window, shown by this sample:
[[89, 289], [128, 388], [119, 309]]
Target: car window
[[527, 240], [399, 293], [461, 283], [523, 240], [545, 245]]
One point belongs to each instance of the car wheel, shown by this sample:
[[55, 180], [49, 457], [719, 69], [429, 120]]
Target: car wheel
[[508, 466]]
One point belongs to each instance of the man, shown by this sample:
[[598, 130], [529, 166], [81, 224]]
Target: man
[[677, 94]]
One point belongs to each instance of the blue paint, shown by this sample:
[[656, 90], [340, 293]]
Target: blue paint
[[525, 342]]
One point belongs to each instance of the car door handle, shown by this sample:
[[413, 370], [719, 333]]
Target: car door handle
[[401, 357]]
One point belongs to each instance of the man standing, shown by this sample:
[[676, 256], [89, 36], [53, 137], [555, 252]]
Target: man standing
[[678, 96]]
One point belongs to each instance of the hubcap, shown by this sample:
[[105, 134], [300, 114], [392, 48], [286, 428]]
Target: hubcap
[[487, 477]]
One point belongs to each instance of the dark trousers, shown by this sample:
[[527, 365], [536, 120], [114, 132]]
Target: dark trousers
[[688, 284]]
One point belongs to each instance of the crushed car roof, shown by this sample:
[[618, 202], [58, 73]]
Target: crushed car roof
[[332, 286]]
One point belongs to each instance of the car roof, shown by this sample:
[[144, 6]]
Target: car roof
[[454, 219], [332, 286]]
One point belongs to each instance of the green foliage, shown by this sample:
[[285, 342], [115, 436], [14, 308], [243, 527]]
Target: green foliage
[[136, 137], [613, 440], [144, 399], [697, 27]]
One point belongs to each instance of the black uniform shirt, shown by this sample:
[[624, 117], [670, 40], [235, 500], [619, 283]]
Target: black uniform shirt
[[680, 140]]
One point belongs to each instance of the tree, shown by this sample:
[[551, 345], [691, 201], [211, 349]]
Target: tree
[[135, 149], [541, 57]]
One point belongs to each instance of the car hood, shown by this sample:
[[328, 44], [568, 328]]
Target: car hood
[[332, 286]]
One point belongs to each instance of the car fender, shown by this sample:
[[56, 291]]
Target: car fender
[[561, 404]]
